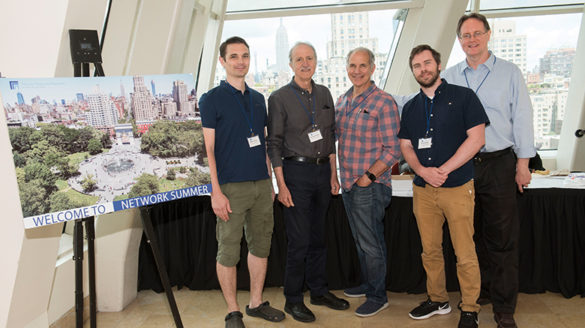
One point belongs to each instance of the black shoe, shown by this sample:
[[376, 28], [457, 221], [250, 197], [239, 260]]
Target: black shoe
[[331, 301], [234, 320], [505, 320], [299, 312], [266, 312], [429, 308], [468, 320]]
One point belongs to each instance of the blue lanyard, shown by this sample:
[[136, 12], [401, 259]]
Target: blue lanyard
[[428, 116], [348, 103], [243, 109], [310, 115], [485, 77]]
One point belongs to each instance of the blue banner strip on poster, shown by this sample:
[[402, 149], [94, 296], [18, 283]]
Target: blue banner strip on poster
[[125, 204], [115, 206]]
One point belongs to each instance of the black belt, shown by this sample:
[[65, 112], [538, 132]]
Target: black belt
[[480, 157], [312, 160]]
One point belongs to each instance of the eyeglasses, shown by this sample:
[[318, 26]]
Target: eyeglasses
[[468, 36]]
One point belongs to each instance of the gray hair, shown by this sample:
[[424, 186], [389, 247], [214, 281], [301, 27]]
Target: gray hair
[[372, 59], [301, 43]]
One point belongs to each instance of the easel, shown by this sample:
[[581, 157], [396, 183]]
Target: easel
[[160, 264], [85, 50]]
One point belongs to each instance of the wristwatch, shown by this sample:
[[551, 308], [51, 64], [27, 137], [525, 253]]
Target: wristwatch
[[371, 176]]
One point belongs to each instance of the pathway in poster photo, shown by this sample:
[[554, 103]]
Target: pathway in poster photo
[[111, 183]]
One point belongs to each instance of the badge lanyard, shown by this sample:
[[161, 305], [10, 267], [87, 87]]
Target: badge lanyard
[[428, 116], [310, 115], [427, 142], [485, 77], [251, 119], [348, 103]]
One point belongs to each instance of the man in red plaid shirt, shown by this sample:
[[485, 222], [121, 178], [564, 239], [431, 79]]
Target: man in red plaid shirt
[[367, 124]]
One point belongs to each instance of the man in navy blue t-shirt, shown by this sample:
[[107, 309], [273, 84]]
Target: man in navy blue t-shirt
[[442, 128], [234, 119]]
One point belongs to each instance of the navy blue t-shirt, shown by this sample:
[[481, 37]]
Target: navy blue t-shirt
[[225, 109], [451, 112]]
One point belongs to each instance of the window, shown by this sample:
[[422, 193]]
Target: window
[[238, 5], [506, 4], [545, 55], [271, 38]]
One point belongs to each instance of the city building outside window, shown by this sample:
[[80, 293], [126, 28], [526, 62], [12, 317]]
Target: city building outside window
[[333, 36]]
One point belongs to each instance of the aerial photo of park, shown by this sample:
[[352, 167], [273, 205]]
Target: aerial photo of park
[[84, 141]]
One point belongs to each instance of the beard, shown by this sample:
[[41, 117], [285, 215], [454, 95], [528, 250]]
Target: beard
[[433, 79]]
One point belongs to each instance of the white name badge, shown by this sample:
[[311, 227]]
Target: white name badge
[[254, 141], [315, 136], [425, 143]]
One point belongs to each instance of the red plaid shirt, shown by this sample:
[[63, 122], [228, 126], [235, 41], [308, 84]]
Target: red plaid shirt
[[366, 129]]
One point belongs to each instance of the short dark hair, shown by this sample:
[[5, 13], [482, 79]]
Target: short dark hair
[[232, 40], [477, 16], [420, 48]]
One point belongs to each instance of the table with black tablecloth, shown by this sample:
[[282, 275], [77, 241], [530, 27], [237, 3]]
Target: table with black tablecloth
[[552, 246]]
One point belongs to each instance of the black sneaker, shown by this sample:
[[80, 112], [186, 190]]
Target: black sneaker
[[468, 320], [429, 308]]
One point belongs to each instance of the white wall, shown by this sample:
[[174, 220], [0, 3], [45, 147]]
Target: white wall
[[155, 37], [30, 38], [12, 232], [118, 238], [144, 37], [62, 294]]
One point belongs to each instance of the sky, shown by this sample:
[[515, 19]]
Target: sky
[[543, 33]]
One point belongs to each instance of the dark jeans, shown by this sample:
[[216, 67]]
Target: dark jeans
[[365, 207], [306, 259], [497, 230]]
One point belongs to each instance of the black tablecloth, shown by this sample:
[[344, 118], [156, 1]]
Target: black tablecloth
[[552, 246]]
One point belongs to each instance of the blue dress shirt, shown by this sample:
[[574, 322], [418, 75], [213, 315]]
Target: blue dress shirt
[[502, 91]]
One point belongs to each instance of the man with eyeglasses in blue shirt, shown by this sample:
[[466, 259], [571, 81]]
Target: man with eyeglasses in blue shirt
[[501, 166]]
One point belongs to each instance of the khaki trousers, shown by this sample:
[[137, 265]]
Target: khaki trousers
[[431, 206]]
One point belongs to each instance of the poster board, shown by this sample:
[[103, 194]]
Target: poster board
[[93, 145]]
